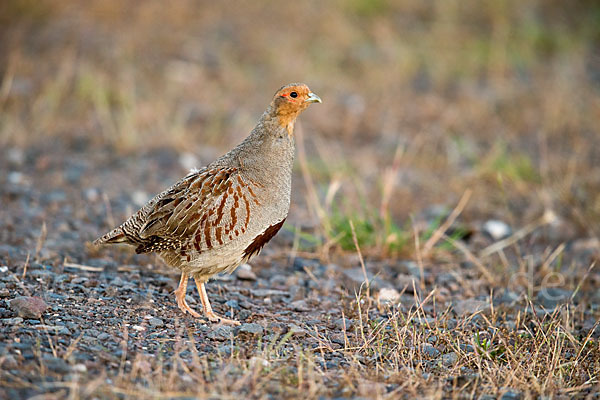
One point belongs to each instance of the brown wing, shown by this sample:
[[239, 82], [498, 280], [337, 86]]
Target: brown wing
[[205, 212]]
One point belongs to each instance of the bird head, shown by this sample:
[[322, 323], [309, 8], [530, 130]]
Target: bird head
[[290, 101]]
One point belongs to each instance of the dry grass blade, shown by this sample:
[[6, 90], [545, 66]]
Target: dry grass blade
[[83, 267], [547, 218], [362, 261], [439, 232], [472, 258], [40, 241]]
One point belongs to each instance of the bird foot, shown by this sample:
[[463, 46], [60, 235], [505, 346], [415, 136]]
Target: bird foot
[[183, 306], [216, 318]]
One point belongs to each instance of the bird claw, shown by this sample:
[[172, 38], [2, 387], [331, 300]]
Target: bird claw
[[183, 306], [216, 318]]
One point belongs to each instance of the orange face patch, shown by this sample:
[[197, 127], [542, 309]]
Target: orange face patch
[[290, 101]]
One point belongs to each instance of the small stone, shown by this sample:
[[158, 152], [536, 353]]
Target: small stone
[[233, 304], [497, 229], [388, 295], [300, 306], [449, 359], [297, 331], [301, 263], [244, 272], [552, 297], [258, 361], [9, 362], [156, 322], [117, 282], [56, 365], [511, 395], [430, 351], [251, 329], [277, 327], [80, 368], [408, 283], [470, 306], [221, 333], [268, 292], [28, 307], [339, 324]]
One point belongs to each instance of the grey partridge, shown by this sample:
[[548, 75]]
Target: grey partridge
[[218, 217]]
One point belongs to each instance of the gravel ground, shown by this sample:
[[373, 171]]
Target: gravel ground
[[111, 315]]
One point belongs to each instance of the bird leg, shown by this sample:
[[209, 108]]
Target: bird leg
[[208, 309], [180, 296]]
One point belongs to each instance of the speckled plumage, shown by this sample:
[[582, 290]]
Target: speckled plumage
[[218, 217]]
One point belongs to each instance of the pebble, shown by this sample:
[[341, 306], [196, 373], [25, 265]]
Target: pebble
[[297, 331], [28, 306], [117, 281], [552, 297], [156, 322], [511, 395], [430, 351], [251, 329], [56, 364], [497, 229], [268, 292], [339, 324], [232, 304], [245, 273], [300, 306], [221, 333], [470, 306], [388, 295], [449, 359], [301, 263]]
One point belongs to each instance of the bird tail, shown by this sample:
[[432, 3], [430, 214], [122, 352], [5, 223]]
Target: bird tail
[[117, 235]]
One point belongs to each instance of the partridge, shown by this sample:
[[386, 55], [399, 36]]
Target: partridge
[[218, 217]]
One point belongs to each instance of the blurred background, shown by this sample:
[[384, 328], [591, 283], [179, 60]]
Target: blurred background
[[422, 100]]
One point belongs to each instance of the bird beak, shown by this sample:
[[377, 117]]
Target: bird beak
[[313, 98]]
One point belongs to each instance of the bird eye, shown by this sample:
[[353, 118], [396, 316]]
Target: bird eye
[[294, 94]]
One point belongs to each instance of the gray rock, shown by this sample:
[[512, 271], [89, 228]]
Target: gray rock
[[244, 272], [251, 329], [297, 331], [268, 292], [9, 362], [300, 263], [339, 324], [354, 278], [496, 229], [28, 307], [221, 333], [300, 306], [511, 395], [552, 297], [470, 306], [449, 359], [156, 322], [430, 351], [233, 304], [117, 282], [56, 364], [508, 297]]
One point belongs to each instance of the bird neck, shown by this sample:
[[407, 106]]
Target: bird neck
[[269, 149]]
